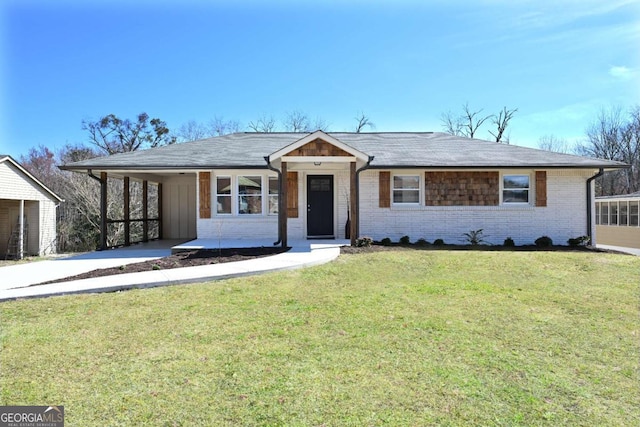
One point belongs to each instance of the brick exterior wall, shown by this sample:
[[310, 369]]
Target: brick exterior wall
[[266, 226], [562, 218]]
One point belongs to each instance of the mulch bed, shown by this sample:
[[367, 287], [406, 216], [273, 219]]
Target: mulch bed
[[182, 259], [527, 248]]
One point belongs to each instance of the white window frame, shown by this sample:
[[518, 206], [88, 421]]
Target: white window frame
[[234, 177], [419, 189], [230, 195], [634, 217], [529, 189], [613, 217], [270, 196]]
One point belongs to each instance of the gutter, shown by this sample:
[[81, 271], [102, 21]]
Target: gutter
[[589, 212], [365, 167], [280, 202]]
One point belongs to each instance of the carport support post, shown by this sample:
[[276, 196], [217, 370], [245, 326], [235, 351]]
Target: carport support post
[[127, 213], [282, 208], [145, 211], [160, 210], [353, 194], [103, 211], [20, 253]]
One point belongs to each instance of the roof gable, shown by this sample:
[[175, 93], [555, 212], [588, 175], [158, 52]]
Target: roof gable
[[318, 144], [34, 181]]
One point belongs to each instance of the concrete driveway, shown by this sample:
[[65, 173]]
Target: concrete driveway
[[20, 277], [31, 273]]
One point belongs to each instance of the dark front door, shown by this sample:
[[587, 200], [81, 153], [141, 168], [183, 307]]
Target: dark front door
[[320, 206]]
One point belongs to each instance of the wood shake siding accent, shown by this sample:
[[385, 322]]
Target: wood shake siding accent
[[292, 194], [541, 188], [205, 194], [385, 190], [318, 147], [462, 188]]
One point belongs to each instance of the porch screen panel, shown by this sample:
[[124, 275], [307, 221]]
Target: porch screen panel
[[205, 194], [292, 194]]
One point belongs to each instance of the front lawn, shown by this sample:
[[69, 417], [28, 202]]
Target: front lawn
[[388, 338]]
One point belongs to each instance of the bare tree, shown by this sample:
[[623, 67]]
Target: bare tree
[[320, 124], [297, 121], [553, 143], [363, 121], [219, 126], [451, 123], [612, 136], [192, 130], [471, 121], [502, 121], [466, 124], [263, 124], [114, 135]]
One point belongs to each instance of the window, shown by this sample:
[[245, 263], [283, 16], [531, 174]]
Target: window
[[604, 213], [624, 212], [406, 189], [598, 213], [633, 213], [223, 194], [273, 195], [250, 195], [613, 213], [515, 189]]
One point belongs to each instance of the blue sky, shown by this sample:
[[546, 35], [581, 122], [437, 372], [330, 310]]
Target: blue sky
[[403, 63]]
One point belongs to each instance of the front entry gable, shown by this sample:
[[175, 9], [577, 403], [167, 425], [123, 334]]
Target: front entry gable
[[318, 146]]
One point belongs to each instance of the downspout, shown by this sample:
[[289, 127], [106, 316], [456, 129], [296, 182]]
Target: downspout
[[366, 166], [589, 213], [280, 209]]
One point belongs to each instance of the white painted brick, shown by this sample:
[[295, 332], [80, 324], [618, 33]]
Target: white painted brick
[[564, 216]]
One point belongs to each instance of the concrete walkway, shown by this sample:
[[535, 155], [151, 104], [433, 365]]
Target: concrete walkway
[[632, 251], [18, 281]]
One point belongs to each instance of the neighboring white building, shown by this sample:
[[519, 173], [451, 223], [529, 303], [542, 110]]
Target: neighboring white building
[[424, 185], [27, 213], [618, 220]]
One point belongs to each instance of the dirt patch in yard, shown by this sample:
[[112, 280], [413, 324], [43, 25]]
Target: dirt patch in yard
[[182, 259]]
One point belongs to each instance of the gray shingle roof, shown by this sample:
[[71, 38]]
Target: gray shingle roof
[[635, 195], [389, 149]]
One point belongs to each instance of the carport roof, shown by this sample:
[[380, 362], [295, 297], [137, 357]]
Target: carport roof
[[387, 149]]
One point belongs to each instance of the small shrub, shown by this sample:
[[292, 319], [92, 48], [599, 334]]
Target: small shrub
[[364, 242], [508, 242], [122, 267], [579, 241], [438, 242], [405, 240], [474, 237], [544, 242], [385, 242], [422, 242], [156, 267]]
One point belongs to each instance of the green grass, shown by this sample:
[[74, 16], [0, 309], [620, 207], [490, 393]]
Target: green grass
[[389, 338]]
